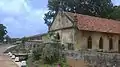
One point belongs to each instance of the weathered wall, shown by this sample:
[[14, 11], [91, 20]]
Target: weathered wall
[[94, 58], [66, 35], [64, 27], [81, 40], [61, 21]]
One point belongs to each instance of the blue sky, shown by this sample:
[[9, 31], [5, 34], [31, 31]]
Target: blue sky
[[116, 2], [25, 17]]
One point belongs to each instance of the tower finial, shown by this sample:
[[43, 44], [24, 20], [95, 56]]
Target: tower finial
[[61, 6], [74, 9]]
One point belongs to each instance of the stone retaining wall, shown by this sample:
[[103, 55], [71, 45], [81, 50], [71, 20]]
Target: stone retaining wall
[[96, 59]]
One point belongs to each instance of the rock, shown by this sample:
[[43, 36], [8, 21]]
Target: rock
[[17, 59], [13, 57]]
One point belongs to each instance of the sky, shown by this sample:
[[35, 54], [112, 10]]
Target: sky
[[116, 2], [25, 17]]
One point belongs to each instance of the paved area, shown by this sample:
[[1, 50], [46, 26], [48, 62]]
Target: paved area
[[5, 61]]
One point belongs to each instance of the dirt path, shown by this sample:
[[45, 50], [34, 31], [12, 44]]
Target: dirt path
[[5, 61]]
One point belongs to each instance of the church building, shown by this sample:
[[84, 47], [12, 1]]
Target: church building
[[87, 32]]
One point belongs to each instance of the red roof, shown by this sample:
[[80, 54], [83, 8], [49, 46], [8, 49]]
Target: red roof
[[90, 23]]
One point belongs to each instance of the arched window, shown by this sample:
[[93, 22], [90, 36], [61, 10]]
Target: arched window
[[110, 44], [89, 42], [101, 43], [58, 36], [119, 46]]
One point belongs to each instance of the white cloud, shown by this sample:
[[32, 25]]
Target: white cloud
[[13, 6], [21, 18], [37, 14], [116, 2]]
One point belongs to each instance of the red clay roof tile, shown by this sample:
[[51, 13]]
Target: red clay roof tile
[[90, 23]]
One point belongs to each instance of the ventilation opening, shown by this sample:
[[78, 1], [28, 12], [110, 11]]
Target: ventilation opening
[[101, 43], [110, 44], [58, 36], [89, 43], [119, 46]]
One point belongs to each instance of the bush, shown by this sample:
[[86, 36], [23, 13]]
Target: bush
[[52, 52], [49, 53], [37, 52]]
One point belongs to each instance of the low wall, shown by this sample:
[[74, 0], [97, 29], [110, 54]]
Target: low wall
[[32, 44], [97, 59]]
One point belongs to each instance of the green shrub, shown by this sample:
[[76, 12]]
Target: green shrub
[[50, 53]]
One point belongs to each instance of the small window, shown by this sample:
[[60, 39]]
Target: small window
[[119, 46], [101, 43], [110, 44], [58, 36], [89, 42]]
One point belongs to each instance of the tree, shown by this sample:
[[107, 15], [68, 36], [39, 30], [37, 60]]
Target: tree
[[8, 39], [99, 8], [24, 39], [48, 17], [3, 32], [116, 13]]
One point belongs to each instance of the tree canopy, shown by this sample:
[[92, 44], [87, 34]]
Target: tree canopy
[[3, 32], [116, 13], [24, 39], [8, 39], [98, 8]]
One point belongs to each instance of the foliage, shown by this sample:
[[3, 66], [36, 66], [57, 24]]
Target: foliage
[[52, 52], [49, 52], [24, 39], [3, 32], [70, 46], [116, 13], [8, 39], [37, 52], [48, 17], [99, 8]]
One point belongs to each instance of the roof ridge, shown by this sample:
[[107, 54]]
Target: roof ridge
[[93, 16], [92, 23]]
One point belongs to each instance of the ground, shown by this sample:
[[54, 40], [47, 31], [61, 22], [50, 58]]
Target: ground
[[5, 61]]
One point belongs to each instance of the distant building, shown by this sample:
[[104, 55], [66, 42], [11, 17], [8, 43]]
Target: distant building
[[33, 41], [87, 32], [34, 37], [14, 40]]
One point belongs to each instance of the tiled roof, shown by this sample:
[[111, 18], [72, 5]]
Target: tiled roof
[[90, 23]]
